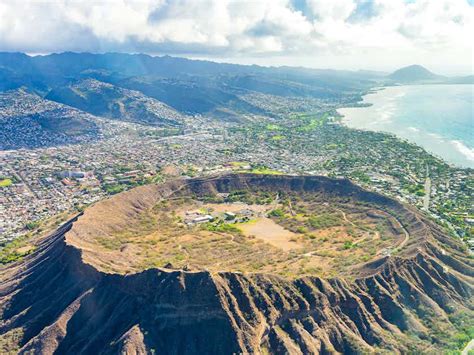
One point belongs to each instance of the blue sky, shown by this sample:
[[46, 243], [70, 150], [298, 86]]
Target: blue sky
[[342, 34]]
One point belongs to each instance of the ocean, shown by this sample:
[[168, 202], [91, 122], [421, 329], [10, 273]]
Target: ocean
[[439, 118]]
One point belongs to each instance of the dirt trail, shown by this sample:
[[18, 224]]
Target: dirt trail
[[396, 249], [344, 216], [469, 347]]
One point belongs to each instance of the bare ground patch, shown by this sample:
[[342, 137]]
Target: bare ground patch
[[272, 233]]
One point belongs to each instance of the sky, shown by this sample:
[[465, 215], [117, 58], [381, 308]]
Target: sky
[[341, 34]]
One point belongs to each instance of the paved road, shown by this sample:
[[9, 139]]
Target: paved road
[[426, 198], [407, 236]]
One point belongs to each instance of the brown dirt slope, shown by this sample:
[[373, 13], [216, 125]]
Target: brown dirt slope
[[58, 301]]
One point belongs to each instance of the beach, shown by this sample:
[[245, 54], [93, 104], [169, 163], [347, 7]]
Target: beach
[[445, 129]]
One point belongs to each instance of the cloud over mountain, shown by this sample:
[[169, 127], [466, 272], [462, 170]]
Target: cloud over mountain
[[229, 28]]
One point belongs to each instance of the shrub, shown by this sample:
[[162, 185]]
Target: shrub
[[347, 245], [32, 225], [278, 212], [324, 221], [302, 230], [222, 228]]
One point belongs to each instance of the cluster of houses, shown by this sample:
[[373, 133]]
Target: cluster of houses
[[195, 217]]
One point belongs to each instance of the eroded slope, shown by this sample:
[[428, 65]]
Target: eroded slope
[[60, 299]]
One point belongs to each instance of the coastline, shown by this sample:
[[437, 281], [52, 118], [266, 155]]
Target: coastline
[[381, 110]]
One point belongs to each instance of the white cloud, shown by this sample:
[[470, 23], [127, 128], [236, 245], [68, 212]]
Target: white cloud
[[336, 10], [238, 28]]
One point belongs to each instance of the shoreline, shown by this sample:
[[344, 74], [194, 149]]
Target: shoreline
[[378, 111]]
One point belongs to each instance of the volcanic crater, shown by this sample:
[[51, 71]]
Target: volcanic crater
[[240, 263]]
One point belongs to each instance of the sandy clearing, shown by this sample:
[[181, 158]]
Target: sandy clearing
[[268, 231]]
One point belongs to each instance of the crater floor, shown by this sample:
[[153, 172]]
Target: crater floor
[[248, 226]]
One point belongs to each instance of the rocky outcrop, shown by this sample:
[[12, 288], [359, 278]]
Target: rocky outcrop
[[65, 305]]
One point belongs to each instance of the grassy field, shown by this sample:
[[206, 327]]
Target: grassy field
[[310, 122], [5, 182], [16, 250], [264, 170]]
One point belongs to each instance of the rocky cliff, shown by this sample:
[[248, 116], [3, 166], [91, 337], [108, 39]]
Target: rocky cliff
[[58, 301]]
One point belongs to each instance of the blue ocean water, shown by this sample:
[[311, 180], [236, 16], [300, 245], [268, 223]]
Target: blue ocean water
[[440, 118]]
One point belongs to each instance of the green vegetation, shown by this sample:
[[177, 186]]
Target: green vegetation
[[310, 122], [259, 198], [238, 164], [111, 243], [221, 227], [15, 250], [137, 229], [464, 324], [302, 230], [324, 221], [5, 182], [115, 188], [418, 190], [348, 245], [272, 127], [259, 169], [242, 196], [32, 225], [157, 178], [361, 176], [278, 212], [263, 198]]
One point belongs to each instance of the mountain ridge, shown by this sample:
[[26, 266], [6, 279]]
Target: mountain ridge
[[188, 86], [107, 100]]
